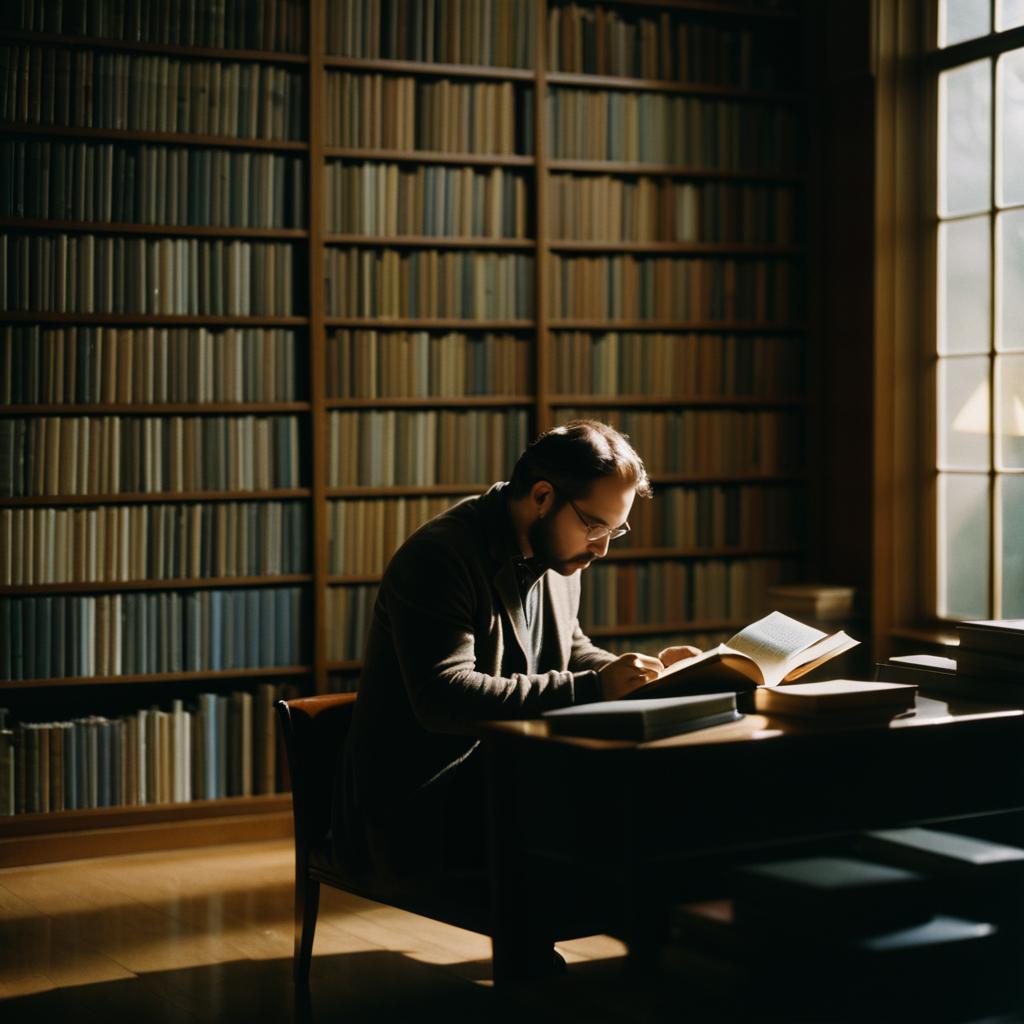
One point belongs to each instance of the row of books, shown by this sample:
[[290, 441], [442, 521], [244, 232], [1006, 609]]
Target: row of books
[[58, 636], [390, 447], [490, 32], [363, 533], [608, 40], [658, 363], [703, 441], [399, 199], [114, 543], [93, 274], [430, 283], [374, 111], [600, 207], [66, 455], [146, 364], [387, 364], [716, 515], [349, 609], [220, 745], [82, 88], [668, 288], [622, 593], [239, 25], [135, 183], [652, 127]]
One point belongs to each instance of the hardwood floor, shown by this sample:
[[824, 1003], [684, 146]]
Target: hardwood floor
[[205, 935]]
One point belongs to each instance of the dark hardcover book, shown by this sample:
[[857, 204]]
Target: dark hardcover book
[[834, 895], [995, 636], [946, 853], [104, 768], [71, 767], [986, 665], [7, 761], [643, 719], [221, 749]]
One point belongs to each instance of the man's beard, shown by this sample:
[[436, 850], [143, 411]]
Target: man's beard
[[541, 537]]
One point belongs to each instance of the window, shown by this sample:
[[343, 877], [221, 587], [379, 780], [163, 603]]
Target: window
[[979, 342]]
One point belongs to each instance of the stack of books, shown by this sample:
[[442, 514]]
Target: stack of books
[[989, 664]]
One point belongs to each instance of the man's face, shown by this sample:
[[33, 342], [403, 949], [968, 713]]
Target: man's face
[[560, 538]]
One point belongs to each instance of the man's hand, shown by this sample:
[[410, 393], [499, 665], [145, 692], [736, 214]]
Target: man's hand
[[626, 673], [671, 655]]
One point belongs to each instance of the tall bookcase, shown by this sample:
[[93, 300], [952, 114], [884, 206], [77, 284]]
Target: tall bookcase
[[505, 213]]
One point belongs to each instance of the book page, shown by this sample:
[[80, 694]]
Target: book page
[[772, 641]]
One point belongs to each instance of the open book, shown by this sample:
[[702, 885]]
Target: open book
[[770, 652]]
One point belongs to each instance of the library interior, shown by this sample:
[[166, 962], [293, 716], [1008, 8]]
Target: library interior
[[512, 508]]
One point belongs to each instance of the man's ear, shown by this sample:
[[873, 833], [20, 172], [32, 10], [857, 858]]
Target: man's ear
[[542, 497]]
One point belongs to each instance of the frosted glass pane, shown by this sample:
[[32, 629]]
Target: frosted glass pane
[[1011, 509], [1009, 14], [964, 269], [1010, 280], [1010, 126], [965, 139], [962, 19], [1010, 411], [964, 413], [963, 546]]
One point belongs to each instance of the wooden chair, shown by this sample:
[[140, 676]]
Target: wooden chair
[[314, 732]]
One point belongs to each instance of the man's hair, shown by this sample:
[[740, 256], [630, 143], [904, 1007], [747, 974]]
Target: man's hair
[[573, 456]]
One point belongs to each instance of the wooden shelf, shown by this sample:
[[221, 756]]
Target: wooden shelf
[[671, 401], [728, 478], [680, 248], [677, 326], [155, 677], [354, 578], [154, 319], [671, 170], [175, 230], [433, 402], [587, 80], [431, 70], [156, 409], [399, 490], [135, 135], [111, 586], [351, 665], [101, 43], [425, 322], [428, 242], [143, 498], [429, 157], [686, 626]]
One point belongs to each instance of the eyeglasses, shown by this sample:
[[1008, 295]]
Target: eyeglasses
[[596, 531]]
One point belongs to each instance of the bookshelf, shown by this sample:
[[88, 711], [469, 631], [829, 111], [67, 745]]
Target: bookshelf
[[425, 232]]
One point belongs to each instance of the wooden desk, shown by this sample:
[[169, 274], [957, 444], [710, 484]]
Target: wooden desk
[[646, 824]]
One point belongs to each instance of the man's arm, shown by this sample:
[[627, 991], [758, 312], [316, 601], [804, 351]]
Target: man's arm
[[429, 599], [586, 654]]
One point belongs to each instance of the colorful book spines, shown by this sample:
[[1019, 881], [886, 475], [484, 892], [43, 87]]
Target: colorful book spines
[[396, 447], [663, 288], [219, 746], [142, 184], [429, 284], [394, 199], [374, 111], [655, 363], [83, 88], [489, 32], [72, 455], [83, 365], [646, 593], [682, 131], [114, 543], [183, 276], [240, 25], [61, 636], [421, 364]]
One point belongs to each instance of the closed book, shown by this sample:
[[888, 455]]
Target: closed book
[[7, 759], [996, 636], [945, 853], [832, 895], [642, 720], [835, 697], [985, 664], [914, 668]]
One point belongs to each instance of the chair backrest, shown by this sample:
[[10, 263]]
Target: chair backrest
[[314, 734]]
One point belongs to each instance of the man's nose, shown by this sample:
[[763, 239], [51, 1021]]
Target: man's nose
[[600, 547]]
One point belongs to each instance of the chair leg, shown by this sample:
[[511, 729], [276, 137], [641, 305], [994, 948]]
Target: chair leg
[[307, 903]]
